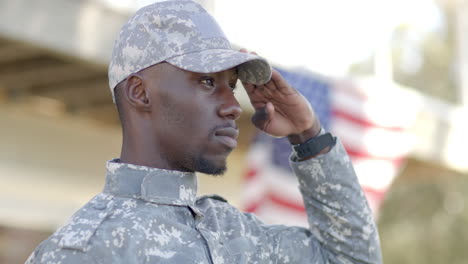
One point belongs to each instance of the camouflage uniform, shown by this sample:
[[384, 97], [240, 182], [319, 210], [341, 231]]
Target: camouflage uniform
[[148, 215]]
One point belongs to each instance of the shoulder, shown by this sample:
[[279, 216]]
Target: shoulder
[[77, 233], [216, 206], [214, 202], [212, 197], [222, 209], [73, 239]]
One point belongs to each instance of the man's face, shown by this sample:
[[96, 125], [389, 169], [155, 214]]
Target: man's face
[[193, 118]]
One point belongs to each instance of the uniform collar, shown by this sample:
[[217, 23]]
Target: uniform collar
[[151, 184]]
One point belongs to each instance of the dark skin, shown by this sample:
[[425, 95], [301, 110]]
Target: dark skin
[[281, 111], [180, 120]]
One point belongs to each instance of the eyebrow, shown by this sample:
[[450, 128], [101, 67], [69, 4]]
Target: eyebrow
[[235, 74]]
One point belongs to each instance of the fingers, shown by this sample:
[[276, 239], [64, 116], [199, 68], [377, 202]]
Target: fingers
[[269, 88], [259, 91], [270, 109], [249, 87], [278, 80], [270, 85], [243, 50]]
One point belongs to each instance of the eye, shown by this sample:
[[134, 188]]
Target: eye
[[233, 87], [208, 81]]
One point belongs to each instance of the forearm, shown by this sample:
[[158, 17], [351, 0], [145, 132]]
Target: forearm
[[337, 210]]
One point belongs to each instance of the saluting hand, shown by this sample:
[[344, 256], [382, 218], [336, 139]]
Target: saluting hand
[[280, 110]]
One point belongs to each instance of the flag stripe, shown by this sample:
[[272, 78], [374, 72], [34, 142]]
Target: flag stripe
[[285, 203], [338, 113], [362, 154], [251, 173]]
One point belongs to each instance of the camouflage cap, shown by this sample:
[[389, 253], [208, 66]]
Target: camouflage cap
[[183, 34]]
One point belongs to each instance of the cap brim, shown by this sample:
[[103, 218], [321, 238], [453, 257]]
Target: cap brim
[[251, 68]]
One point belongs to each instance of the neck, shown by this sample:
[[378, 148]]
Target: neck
[[141, 149]]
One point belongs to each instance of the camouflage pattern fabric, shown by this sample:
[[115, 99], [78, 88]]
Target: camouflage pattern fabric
[[183, 34], [148, 215]]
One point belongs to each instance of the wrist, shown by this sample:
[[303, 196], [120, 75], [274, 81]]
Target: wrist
[[305, 135], [313, 147]]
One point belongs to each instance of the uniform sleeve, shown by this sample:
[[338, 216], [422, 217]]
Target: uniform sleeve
[[341, 227]]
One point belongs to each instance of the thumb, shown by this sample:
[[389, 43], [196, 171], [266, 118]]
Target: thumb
[[262, 116]]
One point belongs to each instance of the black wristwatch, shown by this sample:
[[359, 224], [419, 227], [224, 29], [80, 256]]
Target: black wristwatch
[[313, 146]]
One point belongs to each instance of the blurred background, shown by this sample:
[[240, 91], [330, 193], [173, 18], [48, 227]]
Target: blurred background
[[390, 78]]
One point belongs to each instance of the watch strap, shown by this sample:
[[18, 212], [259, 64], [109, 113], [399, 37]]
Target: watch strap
[[314, 146]]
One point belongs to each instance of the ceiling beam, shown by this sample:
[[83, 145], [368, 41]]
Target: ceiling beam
[[11, 53], [80, 80], [82, 29], [24, 82], [81, 94], [29, 64]]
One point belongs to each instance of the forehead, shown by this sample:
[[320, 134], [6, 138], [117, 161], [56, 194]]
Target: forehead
[[169, 72], [232, 72]]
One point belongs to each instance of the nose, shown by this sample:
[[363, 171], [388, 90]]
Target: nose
[[230, 107]]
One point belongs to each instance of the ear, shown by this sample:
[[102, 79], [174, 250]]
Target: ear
[[136, 93]]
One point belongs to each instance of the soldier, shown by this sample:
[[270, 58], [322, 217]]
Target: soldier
[[172, 76]]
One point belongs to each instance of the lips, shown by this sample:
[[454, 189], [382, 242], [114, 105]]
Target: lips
[[227, 136]]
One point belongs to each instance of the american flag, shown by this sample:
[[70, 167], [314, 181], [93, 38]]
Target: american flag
[[374, 134]]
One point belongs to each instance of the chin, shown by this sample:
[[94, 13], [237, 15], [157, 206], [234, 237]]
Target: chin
[[210, 167], [214, 171]]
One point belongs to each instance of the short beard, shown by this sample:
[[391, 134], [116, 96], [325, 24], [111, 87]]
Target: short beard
[[205, 166]]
